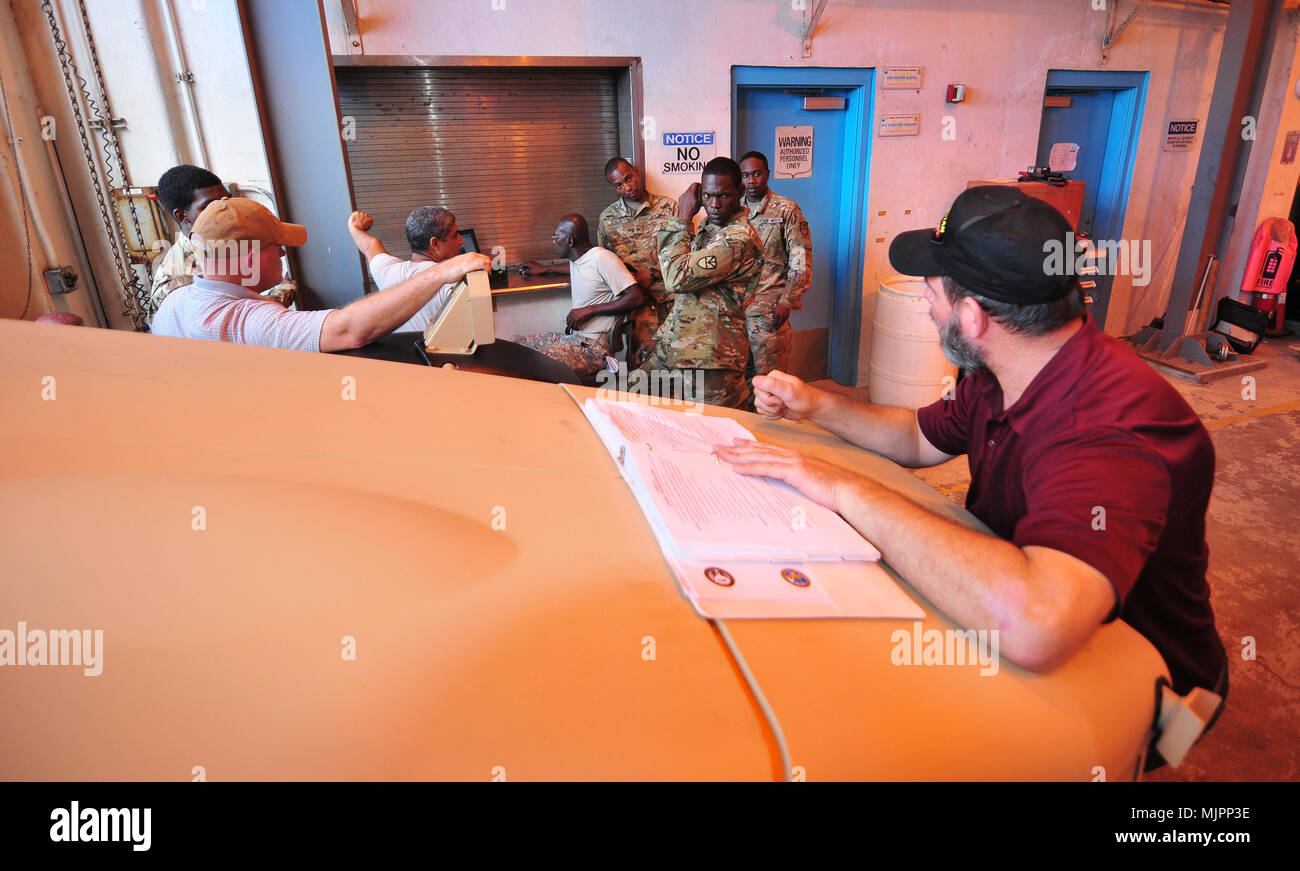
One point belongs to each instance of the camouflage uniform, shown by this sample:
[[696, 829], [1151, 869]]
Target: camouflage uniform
[[178, 265], [175, 268], [631, 234], [711, 279], [583, 354], [787, 273]]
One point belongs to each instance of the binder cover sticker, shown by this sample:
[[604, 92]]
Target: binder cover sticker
[[740, 589]]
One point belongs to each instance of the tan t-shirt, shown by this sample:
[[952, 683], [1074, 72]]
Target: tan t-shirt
[[597, 277]]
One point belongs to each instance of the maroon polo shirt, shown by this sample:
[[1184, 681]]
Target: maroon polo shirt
[[1100, 458]]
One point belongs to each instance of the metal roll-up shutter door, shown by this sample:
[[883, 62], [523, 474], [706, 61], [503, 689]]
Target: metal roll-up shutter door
[[507, 150]]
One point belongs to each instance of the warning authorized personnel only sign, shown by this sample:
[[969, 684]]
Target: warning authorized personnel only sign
[[794, 152]]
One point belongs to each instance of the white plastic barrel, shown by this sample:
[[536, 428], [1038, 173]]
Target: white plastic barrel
[[908, 367]]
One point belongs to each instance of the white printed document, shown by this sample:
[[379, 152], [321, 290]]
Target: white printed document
[[740, 546]]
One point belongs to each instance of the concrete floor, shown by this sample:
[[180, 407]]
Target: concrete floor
[[1254, 573]]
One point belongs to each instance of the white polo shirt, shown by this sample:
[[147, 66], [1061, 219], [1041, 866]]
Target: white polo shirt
[[388, 271], [225, 312]]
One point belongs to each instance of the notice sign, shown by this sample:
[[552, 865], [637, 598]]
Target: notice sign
[[794, 152], [1180, 136], [901, 78], [900, 125], [1063, 157], [687, 152]]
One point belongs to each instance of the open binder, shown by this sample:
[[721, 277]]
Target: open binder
[[740, 546]]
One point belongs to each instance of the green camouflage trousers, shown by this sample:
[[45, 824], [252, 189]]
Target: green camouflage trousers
[[769, 350], [583, 354], [724, 387]]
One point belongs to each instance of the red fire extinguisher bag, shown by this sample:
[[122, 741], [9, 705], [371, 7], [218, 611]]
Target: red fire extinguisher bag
[[1272, 254]]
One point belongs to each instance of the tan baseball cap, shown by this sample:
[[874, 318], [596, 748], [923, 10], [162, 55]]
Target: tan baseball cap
[[238, 219]]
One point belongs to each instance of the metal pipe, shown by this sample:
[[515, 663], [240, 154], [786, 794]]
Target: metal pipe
[[70, 219], [20, 140], [1192, 312], [22, 216], [22, 193], [186, 79], [54, 244]]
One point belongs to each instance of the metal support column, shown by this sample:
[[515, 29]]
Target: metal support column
[[293, 80], [1239, 65]]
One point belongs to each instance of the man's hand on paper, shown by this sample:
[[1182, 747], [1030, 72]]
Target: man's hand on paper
[[817, 479], [778, 395]]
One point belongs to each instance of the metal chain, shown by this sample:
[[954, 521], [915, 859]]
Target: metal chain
[[130, 287], [110, 139]]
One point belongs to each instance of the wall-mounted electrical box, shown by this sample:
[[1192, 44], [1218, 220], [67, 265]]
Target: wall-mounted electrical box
[[62, 279]]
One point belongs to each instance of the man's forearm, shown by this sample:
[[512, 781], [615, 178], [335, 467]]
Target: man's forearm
[[886, 430], [935, 555], [374, 316], [978, 580], [1044, 603], [368, 245], [675, 247], [629, 299]]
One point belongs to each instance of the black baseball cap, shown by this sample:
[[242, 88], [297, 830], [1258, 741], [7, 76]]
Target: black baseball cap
[[992, 241]]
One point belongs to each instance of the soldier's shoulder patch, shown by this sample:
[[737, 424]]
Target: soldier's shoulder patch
[[712, 261]]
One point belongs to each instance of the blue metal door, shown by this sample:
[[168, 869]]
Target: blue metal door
[[1103, 119], [1085, 122], [833, 197], [761, 111]]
